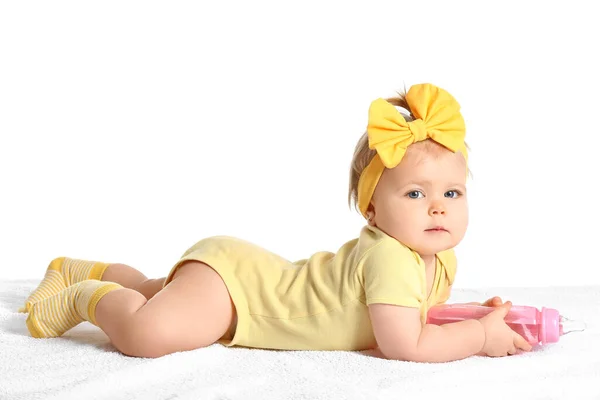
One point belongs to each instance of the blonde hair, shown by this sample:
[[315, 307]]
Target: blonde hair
[[363, 154]]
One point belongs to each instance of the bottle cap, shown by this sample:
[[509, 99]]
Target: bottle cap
[[550, 326]]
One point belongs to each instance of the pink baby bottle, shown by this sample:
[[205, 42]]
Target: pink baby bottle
[[536, 326]]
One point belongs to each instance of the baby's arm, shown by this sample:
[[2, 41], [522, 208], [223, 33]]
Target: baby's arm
[[401, 336], [393, 286]]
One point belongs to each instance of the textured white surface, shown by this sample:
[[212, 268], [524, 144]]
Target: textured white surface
[[83, 364]]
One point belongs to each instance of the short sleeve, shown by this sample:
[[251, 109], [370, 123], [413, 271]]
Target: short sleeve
[[391, 274]]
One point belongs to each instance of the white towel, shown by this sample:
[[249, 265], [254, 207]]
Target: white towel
[[84, 365]]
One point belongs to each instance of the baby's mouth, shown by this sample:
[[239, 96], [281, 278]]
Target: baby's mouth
[[437, 229]]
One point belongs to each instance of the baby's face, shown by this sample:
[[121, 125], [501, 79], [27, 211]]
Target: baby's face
[[422, 202]]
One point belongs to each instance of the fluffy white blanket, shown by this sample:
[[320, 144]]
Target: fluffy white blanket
[[84, 365]]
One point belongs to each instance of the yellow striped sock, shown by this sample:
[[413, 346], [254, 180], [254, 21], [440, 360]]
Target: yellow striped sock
[[66, 309], [61, 273]]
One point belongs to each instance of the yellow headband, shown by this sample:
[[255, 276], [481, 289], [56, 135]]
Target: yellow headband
[[437, 116]]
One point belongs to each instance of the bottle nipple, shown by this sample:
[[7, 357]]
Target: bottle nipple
[[568, 325]]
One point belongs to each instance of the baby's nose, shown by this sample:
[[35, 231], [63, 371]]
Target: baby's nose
[[437, 209]]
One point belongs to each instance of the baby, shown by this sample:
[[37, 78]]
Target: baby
[[407, 178]]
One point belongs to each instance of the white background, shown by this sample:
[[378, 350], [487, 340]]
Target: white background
[[128, 131]]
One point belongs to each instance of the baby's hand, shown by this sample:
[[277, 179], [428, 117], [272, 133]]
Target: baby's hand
[[500, 339]]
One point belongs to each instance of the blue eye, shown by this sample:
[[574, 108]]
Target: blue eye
[[456, 192], [414, 194]]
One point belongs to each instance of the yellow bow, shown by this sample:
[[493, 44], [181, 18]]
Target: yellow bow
[[437, 116]]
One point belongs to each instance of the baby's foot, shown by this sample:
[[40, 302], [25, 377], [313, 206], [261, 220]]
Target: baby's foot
[[62, 273], [54, 315]]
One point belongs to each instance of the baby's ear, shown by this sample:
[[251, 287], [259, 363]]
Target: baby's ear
[[371, 216]]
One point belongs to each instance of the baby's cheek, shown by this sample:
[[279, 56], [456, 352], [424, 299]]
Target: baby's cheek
[[458, 232]]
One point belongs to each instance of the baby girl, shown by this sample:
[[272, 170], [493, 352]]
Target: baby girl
[[408, 180]]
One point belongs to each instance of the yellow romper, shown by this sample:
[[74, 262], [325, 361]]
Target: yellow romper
[[319, 303]]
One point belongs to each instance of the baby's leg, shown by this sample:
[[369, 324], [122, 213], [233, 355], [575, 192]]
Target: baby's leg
[[194, 310], [131, 278], [63, 272]]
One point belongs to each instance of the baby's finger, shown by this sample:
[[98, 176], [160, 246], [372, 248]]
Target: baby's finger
[[521, 343], [492, 302], [501, 311]]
